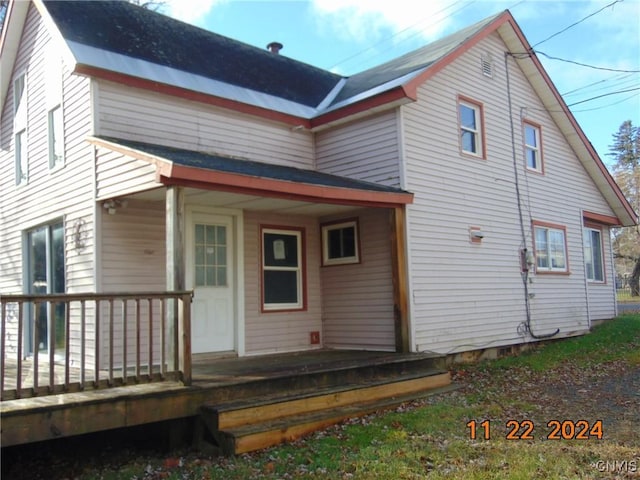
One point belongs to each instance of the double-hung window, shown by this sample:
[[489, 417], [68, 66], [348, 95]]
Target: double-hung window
[[533, 147], [282, 269], [471, 134], [551, 248], [593, 257]]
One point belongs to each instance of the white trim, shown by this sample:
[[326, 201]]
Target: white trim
[[97, 224], [413, 345], [477, 132], [537, 148], [586, 280]]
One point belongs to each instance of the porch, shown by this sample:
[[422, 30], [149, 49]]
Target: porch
[[237, 404]]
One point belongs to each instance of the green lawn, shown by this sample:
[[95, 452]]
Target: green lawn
[[592, 379]]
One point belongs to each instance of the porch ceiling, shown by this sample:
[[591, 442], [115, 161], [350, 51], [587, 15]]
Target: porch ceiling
[[217, 199]]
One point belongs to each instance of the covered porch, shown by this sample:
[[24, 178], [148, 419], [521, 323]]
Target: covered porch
[[280, 259]]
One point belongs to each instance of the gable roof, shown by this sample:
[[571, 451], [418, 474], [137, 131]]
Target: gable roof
[[122, 42], [126, 29], [407, 66]]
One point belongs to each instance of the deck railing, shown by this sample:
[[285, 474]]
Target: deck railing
[[62, 343]]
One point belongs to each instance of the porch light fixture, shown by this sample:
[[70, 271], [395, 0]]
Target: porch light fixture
[[112, 205]]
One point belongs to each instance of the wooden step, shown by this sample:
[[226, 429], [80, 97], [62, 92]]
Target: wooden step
[[271, 408], [257, 423], [253, 437]]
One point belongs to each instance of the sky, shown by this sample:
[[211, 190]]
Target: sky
[[348, 36]]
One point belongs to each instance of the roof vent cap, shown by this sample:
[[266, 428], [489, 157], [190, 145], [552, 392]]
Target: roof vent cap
[[275, 47]]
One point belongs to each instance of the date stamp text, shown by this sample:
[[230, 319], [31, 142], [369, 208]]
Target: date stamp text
[[527, 430]]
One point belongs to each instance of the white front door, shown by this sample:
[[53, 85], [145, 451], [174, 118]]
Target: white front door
[[210, 273]]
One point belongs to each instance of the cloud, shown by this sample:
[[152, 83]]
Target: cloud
[[362, 22], [191, 11]]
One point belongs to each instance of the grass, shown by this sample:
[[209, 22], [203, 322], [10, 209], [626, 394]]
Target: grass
[[619, 339], [431, 439]]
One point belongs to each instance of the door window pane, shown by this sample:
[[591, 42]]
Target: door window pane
[[210, 255]]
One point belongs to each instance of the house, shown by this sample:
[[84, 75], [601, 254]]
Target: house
[[445, 201]]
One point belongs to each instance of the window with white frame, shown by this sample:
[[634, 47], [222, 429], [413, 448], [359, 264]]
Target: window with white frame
[[20, 129], [282, 269], [21, 157], [56, 137], [340, 243], [470, 116], [19, 97], [551, 249], [593, 254], [55, 120], [532, 147]]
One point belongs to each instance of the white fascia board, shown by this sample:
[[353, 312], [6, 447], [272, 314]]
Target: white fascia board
[[103, 59], [14, 22]]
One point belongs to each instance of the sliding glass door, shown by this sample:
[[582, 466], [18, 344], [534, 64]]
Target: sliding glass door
[[46, 274]]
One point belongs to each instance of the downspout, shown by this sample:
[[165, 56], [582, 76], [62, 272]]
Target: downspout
[[525, 273]]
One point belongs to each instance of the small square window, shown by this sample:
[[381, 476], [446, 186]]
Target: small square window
[[340, 243]]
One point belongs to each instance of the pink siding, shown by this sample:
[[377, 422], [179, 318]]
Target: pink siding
[[357, 300], [280, 331]]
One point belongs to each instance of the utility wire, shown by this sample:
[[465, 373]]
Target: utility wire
[[583, 64], [410, 27], [606, 106], [576, 23], [604, 95], [619, 79]]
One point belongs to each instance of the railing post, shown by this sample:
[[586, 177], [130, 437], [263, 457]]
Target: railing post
[[175, 248], [185, 344], [3, 326], [173, 351], [51, 324]]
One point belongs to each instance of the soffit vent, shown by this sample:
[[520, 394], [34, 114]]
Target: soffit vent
[[486, 63]]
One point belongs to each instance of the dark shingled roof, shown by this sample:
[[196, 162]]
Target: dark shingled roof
[[124, 28], [419, 59], [190, 158]]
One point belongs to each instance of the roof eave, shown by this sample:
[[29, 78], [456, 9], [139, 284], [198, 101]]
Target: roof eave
[[170, 173], [16, 17], [387, 100], [192, 95], [559, 111]]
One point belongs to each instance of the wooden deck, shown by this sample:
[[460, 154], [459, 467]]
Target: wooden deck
[[217, 382]]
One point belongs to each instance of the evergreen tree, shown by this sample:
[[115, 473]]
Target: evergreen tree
[[626, 170]]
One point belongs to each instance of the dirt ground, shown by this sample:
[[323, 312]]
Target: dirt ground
[[609, 392]]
